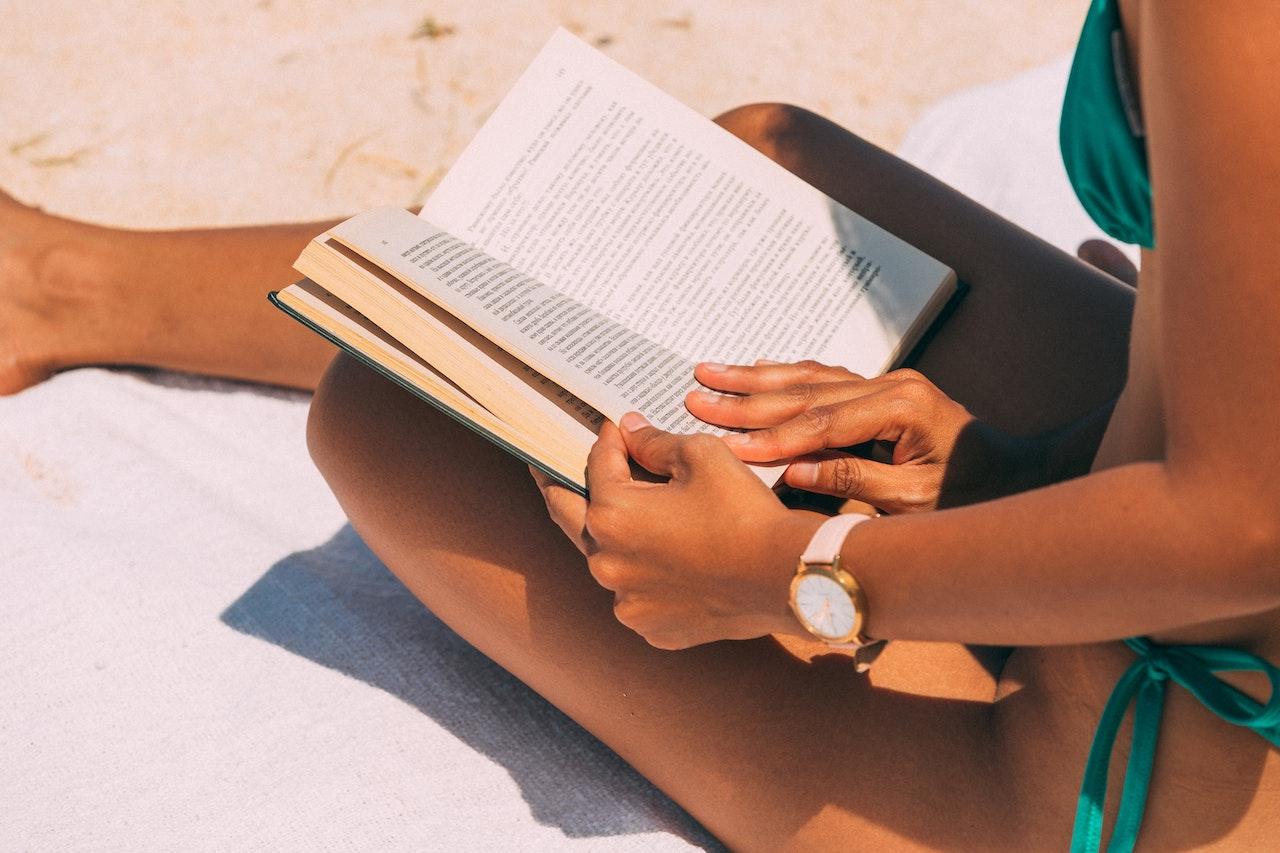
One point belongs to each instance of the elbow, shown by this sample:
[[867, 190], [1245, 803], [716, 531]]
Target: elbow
[[1257, 546], [1235, 530]]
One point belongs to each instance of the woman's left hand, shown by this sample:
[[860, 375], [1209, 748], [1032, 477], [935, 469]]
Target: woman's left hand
[[706, 556], [811, 413]]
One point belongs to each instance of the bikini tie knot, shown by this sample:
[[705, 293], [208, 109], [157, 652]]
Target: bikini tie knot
[[1195, 668], [1157, 662]]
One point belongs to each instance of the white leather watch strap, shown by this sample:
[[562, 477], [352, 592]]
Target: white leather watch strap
[[823, 549], [827, 541]]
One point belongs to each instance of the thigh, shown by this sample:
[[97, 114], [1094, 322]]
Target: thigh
[[1039, 339], [767, 744]]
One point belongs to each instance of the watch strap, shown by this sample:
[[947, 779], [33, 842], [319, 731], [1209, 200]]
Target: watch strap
[[823, 549], [825, 545]]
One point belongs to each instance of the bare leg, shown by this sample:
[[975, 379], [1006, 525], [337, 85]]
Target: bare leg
[[767, 745], [74, 294]]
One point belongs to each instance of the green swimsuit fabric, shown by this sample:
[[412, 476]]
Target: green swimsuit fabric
[[1194, 668], [1101, 133], [1104, 149]]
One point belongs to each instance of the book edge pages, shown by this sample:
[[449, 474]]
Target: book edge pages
[[498, 387], [515, 442]]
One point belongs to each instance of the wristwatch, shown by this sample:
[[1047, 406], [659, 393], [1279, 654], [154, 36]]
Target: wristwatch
[[827, 599]]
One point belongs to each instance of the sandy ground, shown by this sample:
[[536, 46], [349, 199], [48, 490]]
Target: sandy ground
[[177, 113]]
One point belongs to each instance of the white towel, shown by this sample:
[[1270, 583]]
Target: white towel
[[998, 144]]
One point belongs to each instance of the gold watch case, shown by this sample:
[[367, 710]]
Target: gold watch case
[[849, 584]]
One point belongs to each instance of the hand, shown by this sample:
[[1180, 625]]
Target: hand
[[1108, 258], [808, 411], [706, 556]]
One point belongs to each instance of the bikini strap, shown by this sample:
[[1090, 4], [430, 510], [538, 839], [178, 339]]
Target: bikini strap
[[1193, 667]]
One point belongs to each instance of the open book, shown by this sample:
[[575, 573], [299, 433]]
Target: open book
[[595, 240]]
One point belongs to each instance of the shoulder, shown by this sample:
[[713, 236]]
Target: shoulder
[[1212, 108]]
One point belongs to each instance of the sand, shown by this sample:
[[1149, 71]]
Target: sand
[[172, 114]]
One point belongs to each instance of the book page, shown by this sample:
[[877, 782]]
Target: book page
[[599, 185], [610, 367], [607, 365]]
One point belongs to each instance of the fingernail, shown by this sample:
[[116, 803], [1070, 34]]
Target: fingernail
[[633, 421], [714, 367], [803, 473], [765, 362], [737, 438], [707, 397]]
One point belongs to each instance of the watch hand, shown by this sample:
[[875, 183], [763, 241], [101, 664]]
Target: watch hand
[[823, 619]]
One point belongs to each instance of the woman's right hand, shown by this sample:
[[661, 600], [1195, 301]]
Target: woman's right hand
[[810, 412]]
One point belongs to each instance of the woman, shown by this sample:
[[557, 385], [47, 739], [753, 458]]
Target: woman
[[1144, 507]]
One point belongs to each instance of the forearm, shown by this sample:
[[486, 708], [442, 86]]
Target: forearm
[[1118, 553]]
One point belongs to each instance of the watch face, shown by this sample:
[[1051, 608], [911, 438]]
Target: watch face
[[825, 607]]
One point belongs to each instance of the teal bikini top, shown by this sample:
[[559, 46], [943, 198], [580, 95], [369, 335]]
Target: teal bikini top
[[1105, 153], [1103, 141]]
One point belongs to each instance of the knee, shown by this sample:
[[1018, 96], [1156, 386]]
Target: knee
[[779, 131], [328, 425]]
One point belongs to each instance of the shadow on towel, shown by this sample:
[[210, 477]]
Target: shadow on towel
[[211, 384], [339, 606]]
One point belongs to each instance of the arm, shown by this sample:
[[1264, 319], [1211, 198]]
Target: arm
[[1194, 537], [1137, 549]]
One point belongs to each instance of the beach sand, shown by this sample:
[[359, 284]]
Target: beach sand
[[172, 114]]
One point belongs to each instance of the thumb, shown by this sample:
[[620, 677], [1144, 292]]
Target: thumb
[[656, 451], [892, 488]]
